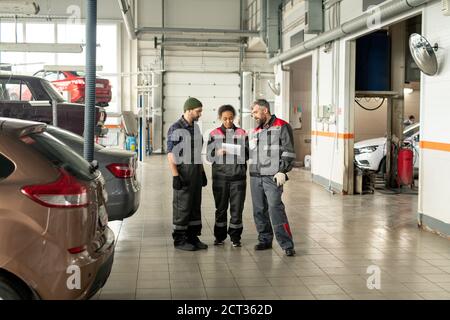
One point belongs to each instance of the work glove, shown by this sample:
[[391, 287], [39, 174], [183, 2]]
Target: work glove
[[204, 179], [177, 183], [280, 178]]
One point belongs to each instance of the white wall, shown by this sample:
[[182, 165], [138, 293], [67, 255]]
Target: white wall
[[370, 124], [301, 82], [412, 105], [293, 22], [327, 144], [435, 114], [327, 150], [190, 13], [350, 9]]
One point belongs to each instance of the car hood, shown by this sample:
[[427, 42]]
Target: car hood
[[370, 142]]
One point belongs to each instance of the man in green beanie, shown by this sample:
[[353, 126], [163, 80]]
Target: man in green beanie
[[184, 147]]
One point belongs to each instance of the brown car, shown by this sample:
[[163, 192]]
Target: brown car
[[54, 239]]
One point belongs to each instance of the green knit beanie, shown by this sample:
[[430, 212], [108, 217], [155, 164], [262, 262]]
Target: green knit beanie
[[192, 103]]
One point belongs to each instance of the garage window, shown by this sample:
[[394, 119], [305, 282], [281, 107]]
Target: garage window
[[107, 54], [7, 167], [29, 63]]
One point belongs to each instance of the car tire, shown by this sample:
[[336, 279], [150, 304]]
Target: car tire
[[382, 168], [12, 290]]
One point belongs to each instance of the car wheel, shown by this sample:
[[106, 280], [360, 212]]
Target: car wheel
[[382, 168], [11, 290]]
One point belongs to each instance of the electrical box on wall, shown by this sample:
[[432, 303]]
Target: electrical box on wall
[[313, 16], [326, 113], [446, 7]]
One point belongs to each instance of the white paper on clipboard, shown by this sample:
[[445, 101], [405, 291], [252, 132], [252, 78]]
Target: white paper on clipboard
[[231, 148]]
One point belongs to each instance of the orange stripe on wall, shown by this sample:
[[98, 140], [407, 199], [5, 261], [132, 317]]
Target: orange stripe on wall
[[333, 134], [435, 146]]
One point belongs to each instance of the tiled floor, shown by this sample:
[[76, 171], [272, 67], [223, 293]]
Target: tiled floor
[[337, 238]]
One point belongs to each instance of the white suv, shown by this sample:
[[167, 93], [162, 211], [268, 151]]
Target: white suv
[[371, 154]]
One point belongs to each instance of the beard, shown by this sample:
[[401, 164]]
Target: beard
[[260, 121]]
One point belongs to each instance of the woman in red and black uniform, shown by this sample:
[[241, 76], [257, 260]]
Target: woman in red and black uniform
[[228, 153]]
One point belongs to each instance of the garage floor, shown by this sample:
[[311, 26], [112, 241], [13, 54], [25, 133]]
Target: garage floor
[[337, 238]]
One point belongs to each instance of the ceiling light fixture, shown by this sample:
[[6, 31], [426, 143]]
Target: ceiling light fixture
[[42, 47]]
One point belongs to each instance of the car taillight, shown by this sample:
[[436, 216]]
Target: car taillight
[[121, 170], [66, 192], [79, 82], [77, 250]]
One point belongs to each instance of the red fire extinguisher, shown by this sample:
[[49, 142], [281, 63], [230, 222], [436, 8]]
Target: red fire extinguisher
[[405, 166]]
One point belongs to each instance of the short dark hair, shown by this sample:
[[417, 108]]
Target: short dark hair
[[262, 103], [411, 117], [226, 107]]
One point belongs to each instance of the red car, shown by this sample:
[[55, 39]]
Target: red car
[[73, 82]]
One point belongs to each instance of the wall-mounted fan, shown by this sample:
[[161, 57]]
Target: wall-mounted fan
[[423, 54]]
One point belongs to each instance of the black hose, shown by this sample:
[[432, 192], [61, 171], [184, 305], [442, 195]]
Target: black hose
[[89, 109], [368, 109]]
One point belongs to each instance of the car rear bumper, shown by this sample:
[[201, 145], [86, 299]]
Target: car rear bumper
[[123, 200], [105, 264], [101, 277], [93, 269], [101, 95]]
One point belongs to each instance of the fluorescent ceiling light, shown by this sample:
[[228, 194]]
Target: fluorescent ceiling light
[[41, 47], [19, 7], [68, 68]]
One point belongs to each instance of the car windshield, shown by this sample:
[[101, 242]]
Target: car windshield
[[60, 155], [70, 137], [52, 91], [81, 74], [410, 130]]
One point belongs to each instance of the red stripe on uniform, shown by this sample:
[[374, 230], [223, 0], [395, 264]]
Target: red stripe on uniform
[[240, 132], [279, 123], [288, 229], [217, 132]]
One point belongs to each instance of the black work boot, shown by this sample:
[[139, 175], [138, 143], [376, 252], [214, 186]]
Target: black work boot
[[237, 243], [263, 246], [186, 246], [195, 241], [180, 241], [290, 252]]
